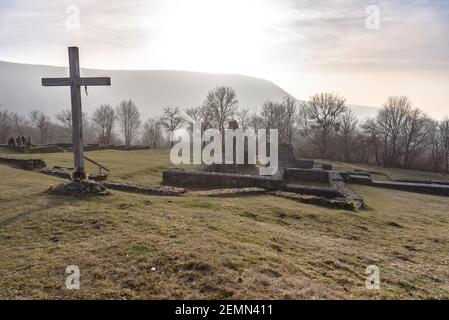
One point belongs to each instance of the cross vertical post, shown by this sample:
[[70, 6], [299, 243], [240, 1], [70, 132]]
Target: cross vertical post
[[75, 82], [77, 115]]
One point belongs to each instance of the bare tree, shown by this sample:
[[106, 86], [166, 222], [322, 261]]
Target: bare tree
[[275, 116], [348, 132], [65, 118], [444, 128], [390, 122], [6, 125], [243, 118], [202, 115], [321, 116], [172, 120], [255, 121], [437, 147], [104, 118], [289, 117], [398, 136], [371, 134], [414, 136], [19, 122], [129, 120], [270, 115], [222, 102], [41, 122], [152, 133]]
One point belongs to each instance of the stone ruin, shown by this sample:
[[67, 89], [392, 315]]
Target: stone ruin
[[297, 179], [302, 180], [318, 187]]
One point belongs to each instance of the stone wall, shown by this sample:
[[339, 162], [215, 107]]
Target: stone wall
[[130, 148], [286, 156], [338, 182], [304, 164], [27, 164], [298, 175], [440, 182], [433, 189], [326, 192], [439, 188], [142, 189], [68, 147], [358, 179], [189, 178]]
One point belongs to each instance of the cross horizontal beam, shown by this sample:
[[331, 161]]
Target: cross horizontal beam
[[65, 82], [56, 82], [99, 81]]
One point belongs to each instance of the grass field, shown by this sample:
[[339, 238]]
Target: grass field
[[390, 173], [235, 248], [144, 167]]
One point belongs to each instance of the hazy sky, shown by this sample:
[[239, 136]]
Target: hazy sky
[[303, 46]]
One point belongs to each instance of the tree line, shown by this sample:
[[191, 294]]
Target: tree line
[[400, 135]]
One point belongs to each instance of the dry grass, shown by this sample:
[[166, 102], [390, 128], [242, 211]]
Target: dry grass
[[390, 173], [235, 248], [143, 167]]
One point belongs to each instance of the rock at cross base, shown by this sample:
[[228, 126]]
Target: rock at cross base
[[87, 187]]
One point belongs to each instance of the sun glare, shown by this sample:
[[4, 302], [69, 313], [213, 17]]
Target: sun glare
[[230, 37]]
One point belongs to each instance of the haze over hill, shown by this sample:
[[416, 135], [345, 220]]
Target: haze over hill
[[21, 90]]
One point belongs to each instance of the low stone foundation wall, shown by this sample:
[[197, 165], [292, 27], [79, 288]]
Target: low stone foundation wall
[[27, 164], [230, 193], [358, 179], [440, 188], [440, 182], [227, 168], [338, 182], [327, 192], [305, 175], [130, 148], [189, 178], [433, 189], [67, 147], [304, 164], [156, 191]]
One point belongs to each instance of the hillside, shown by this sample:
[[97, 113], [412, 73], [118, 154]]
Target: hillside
[[131, 246], [21, 90]]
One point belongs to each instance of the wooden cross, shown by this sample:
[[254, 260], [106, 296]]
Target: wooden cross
[[75, 82]]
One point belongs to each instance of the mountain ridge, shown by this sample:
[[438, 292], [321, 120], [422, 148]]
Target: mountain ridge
[[151, 90]]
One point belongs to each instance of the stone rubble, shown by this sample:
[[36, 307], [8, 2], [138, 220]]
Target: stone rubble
[[78, 188]]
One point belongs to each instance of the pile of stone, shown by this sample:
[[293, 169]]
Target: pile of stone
[[87, 187]]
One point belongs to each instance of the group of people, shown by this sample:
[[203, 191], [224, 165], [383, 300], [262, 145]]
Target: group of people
[[19, 141]]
